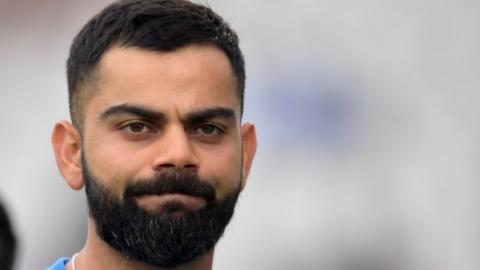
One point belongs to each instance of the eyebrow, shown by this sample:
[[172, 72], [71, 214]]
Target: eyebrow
[[150, 114], [141, 111], [209, 113]]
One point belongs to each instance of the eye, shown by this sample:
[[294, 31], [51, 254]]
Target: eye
[[137, 127], [208, 130], [211, 133]]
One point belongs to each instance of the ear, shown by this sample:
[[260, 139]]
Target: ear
[[66, 141], [249, 146]]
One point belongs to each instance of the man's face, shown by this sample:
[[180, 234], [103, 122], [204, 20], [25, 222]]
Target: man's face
[[153, 112], [162, 142]]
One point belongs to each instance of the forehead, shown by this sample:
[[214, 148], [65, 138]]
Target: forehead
[[197, 76]]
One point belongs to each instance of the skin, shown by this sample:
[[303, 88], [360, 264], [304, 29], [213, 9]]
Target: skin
[[151, 112]]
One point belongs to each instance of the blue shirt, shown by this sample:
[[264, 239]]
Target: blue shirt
[[60, 264]]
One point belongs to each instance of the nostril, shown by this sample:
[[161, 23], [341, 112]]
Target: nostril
[[173, 167], [189, 168], [167, 165]]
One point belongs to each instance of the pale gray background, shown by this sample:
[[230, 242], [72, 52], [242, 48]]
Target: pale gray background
[[367, 116]]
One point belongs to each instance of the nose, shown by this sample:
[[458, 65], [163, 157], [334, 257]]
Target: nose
[[174, 151]]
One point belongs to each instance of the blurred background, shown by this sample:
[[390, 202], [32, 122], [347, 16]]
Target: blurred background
[[367, 118]]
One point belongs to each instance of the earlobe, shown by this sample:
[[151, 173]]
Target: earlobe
[[249, 147], [66, 142]]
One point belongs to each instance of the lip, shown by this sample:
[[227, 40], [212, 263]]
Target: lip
[[157, 203]]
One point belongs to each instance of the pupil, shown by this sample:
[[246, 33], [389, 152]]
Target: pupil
[[208, 128], [137, 127]]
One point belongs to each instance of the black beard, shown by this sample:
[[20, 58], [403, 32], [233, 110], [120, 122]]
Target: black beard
[[162, 239]]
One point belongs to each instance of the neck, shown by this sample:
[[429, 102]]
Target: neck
[[98, 255]]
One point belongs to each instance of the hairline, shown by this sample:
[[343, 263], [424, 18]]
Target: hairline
[[87, 87]]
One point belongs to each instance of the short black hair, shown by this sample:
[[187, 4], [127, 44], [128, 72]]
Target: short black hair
[[158, 25], [7, 241]]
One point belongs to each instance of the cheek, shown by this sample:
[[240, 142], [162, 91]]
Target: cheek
[[223, 167], [113, 163]]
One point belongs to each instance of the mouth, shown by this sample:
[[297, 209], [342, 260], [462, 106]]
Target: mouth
[[170, 203]]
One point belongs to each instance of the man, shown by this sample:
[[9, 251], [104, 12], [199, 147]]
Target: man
[[156, 99], [7, 241]]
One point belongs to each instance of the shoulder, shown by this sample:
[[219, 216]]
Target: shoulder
[[59, 264]]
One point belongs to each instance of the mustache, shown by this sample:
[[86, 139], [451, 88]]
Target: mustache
[[186, 183]]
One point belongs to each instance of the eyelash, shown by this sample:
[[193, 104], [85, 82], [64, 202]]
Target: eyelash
[[128, 127], [217, 129], [145, 130]]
